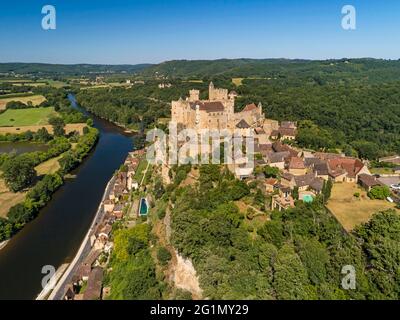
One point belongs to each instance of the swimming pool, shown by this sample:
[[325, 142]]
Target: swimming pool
[[307, 198], [143, 210]]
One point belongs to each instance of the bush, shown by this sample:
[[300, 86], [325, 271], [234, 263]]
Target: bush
[[379, 192], [356, 194], [6, 229], [161, 212], [163, 256]]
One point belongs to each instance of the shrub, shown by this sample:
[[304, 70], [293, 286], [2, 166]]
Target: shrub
[[163, 256], [379, 192]]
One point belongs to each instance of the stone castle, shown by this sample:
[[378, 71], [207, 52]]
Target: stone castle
[[215, 113]]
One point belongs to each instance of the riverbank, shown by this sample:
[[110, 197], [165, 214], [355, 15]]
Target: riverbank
[[54, 237], [60, 288], [41, 193]]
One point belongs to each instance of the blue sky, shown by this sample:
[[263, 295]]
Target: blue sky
[[146, 31]]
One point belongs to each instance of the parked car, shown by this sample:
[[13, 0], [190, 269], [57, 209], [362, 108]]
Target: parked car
[[390, 199], [395, 186]]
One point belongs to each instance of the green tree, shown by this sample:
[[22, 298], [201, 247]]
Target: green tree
[[271, 172], [58, 126], [290, 277], [42, 135], [19, 172]]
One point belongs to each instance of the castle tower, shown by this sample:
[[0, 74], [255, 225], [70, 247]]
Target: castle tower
[[194, 95], [211, 91]]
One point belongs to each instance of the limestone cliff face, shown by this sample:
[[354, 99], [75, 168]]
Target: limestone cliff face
[[184, 276]]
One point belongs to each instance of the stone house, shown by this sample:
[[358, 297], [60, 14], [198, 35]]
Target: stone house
[[296, 166], [367, 181]]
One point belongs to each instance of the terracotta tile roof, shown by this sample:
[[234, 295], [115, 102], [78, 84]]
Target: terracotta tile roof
[[271, 181], [296, 163], [350, 165], [250, 107], [212, 106], [327, 156]]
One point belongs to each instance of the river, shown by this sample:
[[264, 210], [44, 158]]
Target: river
[[55, 235]]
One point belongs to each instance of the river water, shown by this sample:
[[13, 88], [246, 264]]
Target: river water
[[55, 235], [22, 147]]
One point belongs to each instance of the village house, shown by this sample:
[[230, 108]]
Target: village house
[[108, 205], [367, 181], [265, 148], [286, 131], [303, 182], [118, 211], [277, 159], [103, 232], [261, 135], [346, 169], [270, 185], [94, 284], [296, 166], [280, 202], [318, 166], [278, 146]]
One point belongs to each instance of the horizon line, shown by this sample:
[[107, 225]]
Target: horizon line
[[189, 60]]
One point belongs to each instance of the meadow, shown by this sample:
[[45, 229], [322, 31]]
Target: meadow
[[351, 211], [26, 117]]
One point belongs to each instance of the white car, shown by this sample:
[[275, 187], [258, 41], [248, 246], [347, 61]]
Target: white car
[[395, 186], [390, 199]]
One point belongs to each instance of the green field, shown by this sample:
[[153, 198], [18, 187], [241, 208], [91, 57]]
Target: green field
[[26, 117]]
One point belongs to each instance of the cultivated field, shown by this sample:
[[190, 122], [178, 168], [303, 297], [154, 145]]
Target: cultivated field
[[26, 117], [352, 211], [8, 198], [35, 99], [49, 166], [68, 128]]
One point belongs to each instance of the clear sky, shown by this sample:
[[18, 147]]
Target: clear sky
[[152, 31]]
